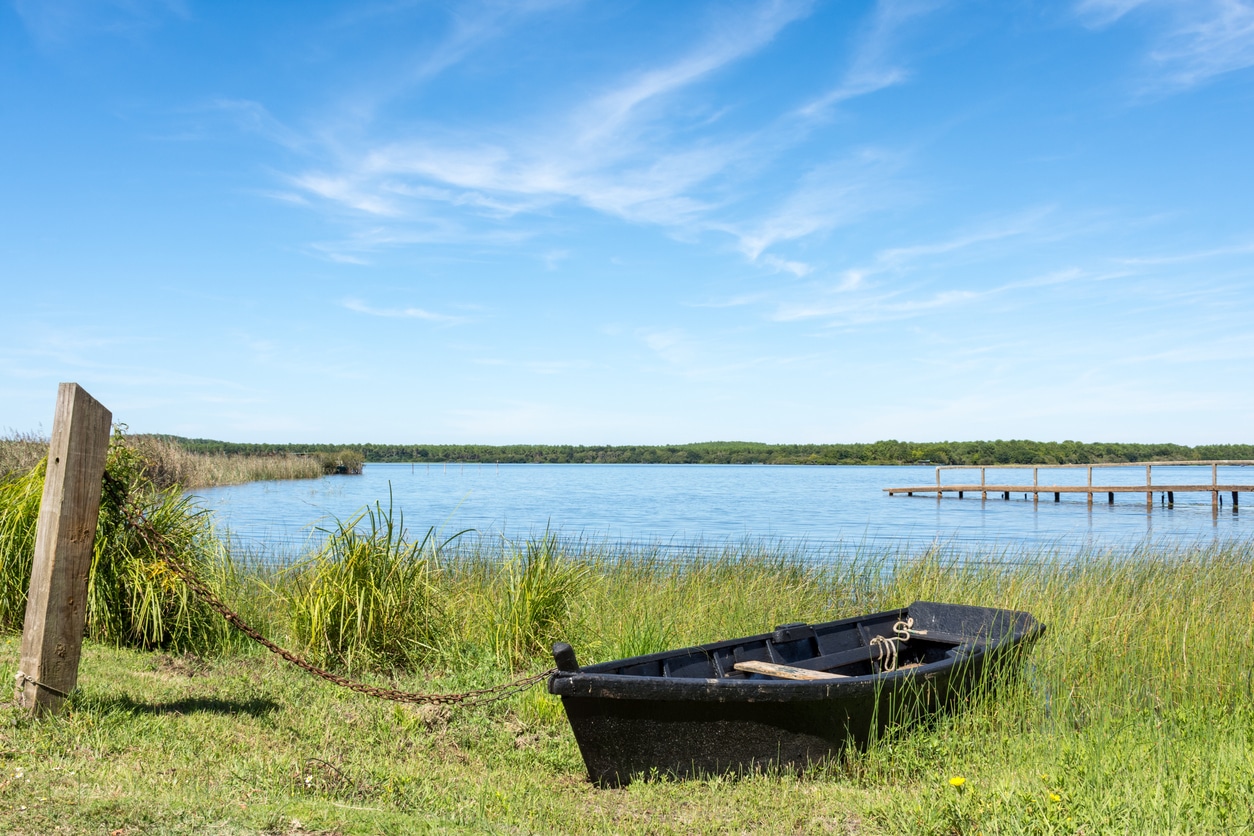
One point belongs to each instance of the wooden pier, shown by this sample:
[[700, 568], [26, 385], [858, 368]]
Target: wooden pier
[[1168, 491]]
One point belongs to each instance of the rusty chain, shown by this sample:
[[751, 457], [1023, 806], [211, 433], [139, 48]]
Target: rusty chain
[[161, 549]]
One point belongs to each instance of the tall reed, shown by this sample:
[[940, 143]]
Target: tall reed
[[19, 452], [169, 464], [369, 599], [534, 591], [133, 598]]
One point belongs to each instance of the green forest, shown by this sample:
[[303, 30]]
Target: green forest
[[746, 452]]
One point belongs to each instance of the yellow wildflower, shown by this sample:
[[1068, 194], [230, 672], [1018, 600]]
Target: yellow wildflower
[[957, 781]]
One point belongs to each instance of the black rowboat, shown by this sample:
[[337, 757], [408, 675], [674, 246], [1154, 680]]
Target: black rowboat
[[787, 698]]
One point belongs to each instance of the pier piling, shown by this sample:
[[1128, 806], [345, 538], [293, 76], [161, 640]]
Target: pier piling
[[1167, 492]]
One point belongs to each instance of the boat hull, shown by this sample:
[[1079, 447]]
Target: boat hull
[[658, 716]]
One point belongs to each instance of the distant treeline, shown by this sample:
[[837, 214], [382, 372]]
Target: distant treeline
[[747, 452]]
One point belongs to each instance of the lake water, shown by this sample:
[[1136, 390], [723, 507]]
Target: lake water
[[828, 510]]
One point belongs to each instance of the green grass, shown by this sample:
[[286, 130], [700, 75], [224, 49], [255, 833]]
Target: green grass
[[368, 599], [132, 596], [1134, 713]]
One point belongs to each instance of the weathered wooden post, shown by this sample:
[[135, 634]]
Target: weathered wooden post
[[56, 605], [1214, 488]]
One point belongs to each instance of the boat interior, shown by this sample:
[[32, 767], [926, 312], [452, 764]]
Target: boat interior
[[850, 648]]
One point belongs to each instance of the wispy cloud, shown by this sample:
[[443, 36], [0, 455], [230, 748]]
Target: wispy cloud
[[1025, 223], [1105, 12], [823, 199], [63, 21], [425, 230], [638, 149], [901, 282], [473, 26], [361, 307], [541, 367], [594, 155], [253, 117], [1197, 255], [875, 65], [1193, 41], [674, 345], [865, 310], [737, 35]]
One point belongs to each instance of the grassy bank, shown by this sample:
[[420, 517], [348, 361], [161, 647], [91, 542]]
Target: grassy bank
[[1134, 713], [169, 463]]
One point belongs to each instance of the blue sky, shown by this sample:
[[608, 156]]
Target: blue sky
[[600, 222]]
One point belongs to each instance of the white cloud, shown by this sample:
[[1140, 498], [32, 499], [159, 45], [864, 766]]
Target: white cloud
[[635, 150], [345, 191], [60, 21], [783, 265], [864, 310], [672, 345], [1181, 258], [825, 198], [1099, 13], [873, 67], [1193, 41], [361, 307], [737, 35], [255, 118]]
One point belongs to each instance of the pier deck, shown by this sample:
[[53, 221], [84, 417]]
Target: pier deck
[[1167, 491]]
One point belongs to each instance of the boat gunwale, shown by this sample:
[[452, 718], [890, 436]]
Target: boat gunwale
[[587, 682]]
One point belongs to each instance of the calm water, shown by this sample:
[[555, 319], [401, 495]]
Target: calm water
[[824, 509]]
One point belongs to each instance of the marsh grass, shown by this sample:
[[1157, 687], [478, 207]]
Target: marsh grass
[[534, 592], [368, 599], [169, 464], [133, 599], [19, 452]]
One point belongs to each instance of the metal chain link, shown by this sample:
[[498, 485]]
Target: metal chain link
[[187, 574]]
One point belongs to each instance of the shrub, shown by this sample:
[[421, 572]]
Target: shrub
[[343, 462]]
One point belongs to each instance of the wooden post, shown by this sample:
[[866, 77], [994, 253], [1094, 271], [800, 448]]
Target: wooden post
[[1149, 485], [1214, 485], [983, 493], [56, 605], [1090, 486], [1036, 495]]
